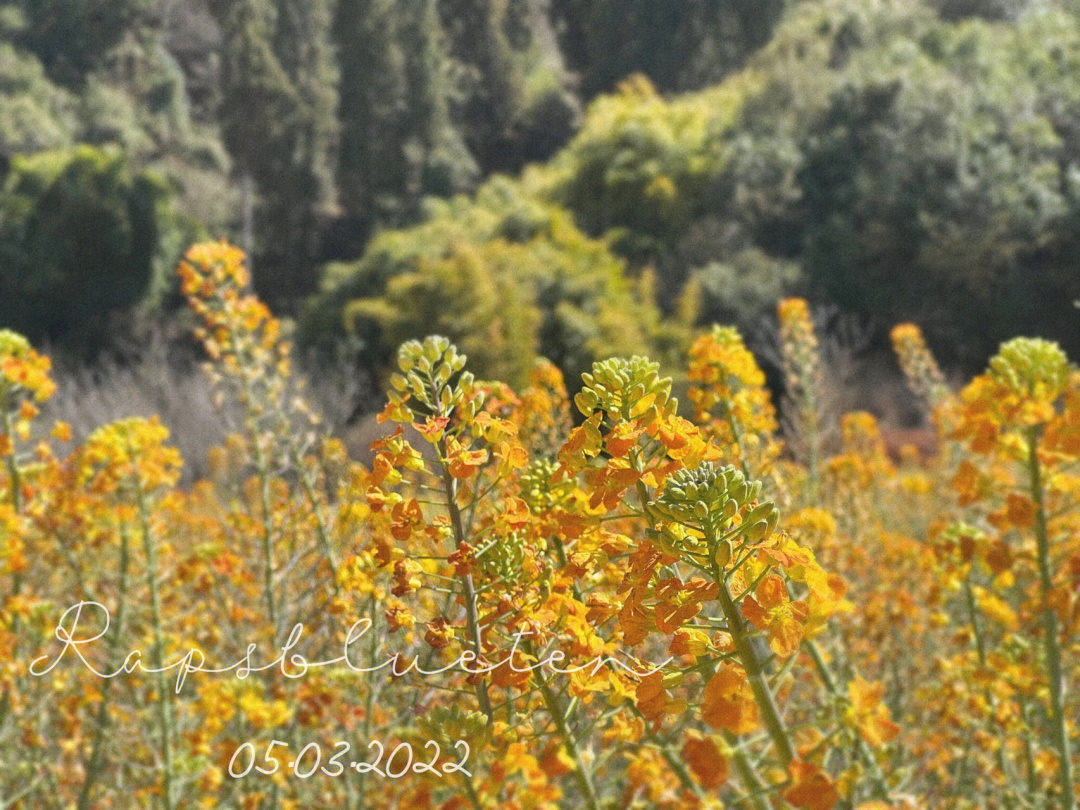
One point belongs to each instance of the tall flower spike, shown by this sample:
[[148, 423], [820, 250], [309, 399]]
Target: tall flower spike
[[802, 377], [921, 370], [626, 389], [1032, 366], [722, 366], [710, 498], [425, 373], [22, 370]]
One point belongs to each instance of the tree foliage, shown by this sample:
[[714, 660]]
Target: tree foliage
[[504, 273], [939, 182], [71, 37], [680, 46], [904, 160], [277, 122], [81, 236], [398, 141]]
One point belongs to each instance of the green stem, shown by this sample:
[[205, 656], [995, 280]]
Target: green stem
[[755, 788], [980, 652], [320, 522], [16, 494], [1050, 627], [744, 647], [369, 698], [267, 532], [877, 778], [676, 765], [262, 470], [93, 764], [581, 773], [12, 460], [164, 699], [450, 485]]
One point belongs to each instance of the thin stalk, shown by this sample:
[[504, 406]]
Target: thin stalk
[[673, 761], [12, 460], [267, 531], [471, 792], [15, 478], [93, 764], [450, 485], [320, 522], [1050, 627], [369, 702], [877, 778], [584, 779], [763, 696], [247, 398], [755, 788], [980, 652], [164, 699]]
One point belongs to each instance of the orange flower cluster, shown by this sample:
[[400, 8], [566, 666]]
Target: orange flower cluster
[[633, 607]]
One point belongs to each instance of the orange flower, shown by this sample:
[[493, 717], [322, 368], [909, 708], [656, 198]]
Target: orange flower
[[728, 701], [652, 698], [868, 713], [1020, 510], [771, 610], [439, 633], [811, 788], [706, 760], [461, 461]]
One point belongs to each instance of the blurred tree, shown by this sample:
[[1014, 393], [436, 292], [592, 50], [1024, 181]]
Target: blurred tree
[[644, 169], [305, 49], [72, 36], [941, 185], [506, 274], [514, 101], [678, 46], [437, 160], [988, 9], [398, 143], [35, 113], [81, 236], [373, 93], [276, 110], [495, 92]]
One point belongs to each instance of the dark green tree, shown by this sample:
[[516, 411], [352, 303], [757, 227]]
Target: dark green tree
[[939, 184], [276, 94], [679, 46], [494, 92], [374, 94], [81, 236], [516, 102], [398, 143], [71, 37], [439, 162]]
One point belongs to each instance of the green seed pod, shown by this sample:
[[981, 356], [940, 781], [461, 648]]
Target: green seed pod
[[757, 532], [759, 512]]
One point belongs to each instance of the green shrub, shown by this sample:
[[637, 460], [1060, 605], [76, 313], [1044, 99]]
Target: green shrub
[[940, 183], [505, 275], [81, 235]]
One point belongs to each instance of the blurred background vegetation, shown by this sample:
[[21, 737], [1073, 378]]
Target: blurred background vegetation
[[567, 178]]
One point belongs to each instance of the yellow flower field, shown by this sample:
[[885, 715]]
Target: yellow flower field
[[531, 601]]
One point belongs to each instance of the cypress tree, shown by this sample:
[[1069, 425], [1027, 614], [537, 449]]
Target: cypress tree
[[439, 161], [372, 100], [277, 87], [495, 97], [398, 142]]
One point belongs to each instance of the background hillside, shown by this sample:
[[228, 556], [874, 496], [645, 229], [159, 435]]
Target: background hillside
[[566, 178]]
